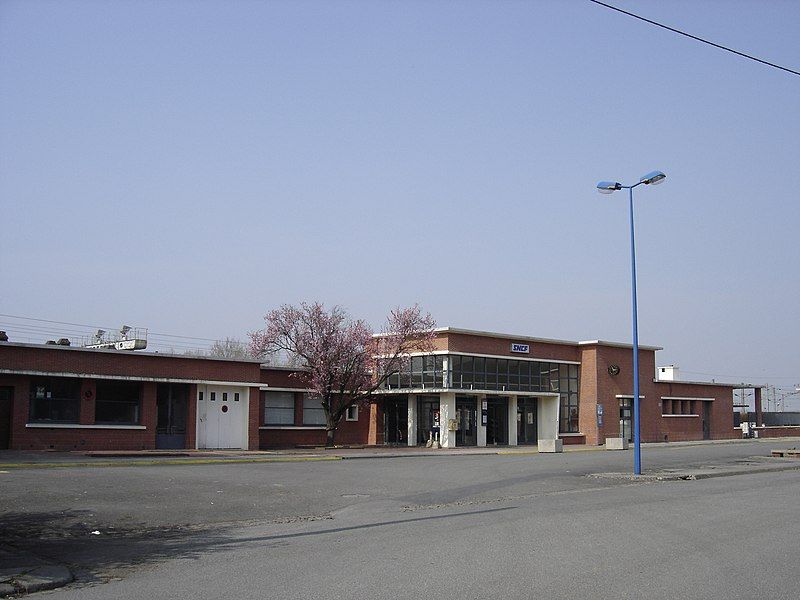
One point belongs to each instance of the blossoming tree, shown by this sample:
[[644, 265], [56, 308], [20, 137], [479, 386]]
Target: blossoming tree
[[345, 362]]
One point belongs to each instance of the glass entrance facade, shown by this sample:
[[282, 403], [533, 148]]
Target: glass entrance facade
[[464, 372]]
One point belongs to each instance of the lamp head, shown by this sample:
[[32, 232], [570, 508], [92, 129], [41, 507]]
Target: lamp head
[[608, 187], [653, 178]]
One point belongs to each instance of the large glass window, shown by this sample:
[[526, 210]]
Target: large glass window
[[117, 402], [278, 408], [422, 372], [502, 374], [55, 399], [313, 413]]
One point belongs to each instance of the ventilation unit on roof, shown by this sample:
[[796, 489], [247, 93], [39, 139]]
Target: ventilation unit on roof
[[127, 338]]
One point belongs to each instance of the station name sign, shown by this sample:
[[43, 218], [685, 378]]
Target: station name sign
[[521, 348]]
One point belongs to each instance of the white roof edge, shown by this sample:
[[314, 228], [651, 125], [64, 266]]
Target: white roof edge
[[746, 386], [502, 335], [617, 345]]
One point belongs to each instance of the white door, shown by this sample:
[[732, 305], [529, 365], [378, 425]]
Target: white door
[[222, 417]]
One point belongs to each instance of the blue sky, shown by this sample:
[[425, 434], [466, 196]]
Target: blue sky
[[186, 166]]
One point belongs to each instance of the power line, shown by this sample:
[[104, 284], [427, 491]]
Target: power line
[[694, 37], [106, 327], [740, 377]]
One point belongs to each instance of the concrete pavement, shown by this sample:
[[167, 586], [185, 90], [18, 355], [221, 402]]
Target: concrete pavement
[[22, 570]]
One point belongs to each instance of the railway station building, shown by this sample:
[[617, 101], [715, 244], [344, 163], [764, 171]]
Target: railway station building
[[475, 389]]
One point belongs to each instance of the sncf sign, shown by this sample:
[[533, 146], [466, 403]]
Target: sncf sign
[[521, 348]]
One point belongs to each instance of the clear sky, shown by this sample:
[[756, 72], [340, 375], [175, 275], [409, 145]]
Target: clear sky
[[186, 166]]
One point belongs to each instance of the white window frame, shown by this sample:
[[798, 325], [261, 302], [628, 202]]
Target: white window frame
[[348, 416]]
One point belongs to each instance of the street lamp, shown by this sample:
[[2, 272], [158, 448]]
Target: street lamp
[[608, 187]]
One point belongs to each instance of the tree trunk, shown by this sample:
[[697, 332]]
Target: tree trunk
[[329, 442]]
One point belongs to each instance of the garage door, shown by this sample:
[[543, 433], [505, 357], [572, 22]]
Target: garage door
[[222, 417]]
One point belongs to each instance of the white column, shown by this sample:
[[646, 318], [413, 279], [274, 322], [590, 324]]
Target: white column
[[547, 417], [512, 420], [481, 426], [447, 411], [412, 420]]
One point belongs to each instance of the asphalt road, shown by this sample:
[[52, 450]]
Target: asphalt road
[[446, 527]]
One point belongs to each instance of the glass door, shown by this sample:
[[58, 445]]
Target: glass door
[[626, 419], [172, 402], [526, 421], [427, 418], [395, 421], [497, 422], [467, 417]]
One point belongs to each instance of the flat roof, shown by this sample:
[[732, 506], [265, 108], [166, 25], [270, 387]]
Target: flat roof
[[528, 338], [135, 353], [741, 386]]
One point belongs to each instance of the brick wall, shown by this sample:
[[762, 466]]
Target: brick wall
[[62, 359], [82, 437], [478, 344]]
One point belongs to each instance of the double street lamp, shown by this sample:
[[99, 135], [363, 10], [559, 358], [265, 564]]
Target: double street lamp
[[609, 187]]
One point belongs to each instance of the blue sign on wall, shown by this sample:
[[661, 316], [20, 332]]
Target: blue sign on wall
[[522, 348]]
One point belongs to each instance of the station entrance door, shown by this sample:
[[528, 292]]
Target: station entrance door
[[467, 417], [497, 422], [527, 432]]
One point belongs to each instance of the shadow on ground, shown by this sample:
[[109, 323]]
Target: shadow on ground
[[100, 554]]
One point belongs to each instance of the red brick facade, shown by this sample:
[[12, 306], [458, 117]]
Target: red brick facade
[[670, 411]]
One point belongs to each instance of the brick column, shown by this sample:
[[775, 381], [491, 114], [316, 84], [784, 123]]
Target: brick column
[[374, 434], [88, 397], [254, 419], [190, 439], [149, 413]]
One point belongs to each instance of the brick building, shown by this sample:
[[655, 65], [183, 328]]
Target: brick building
[[477, 388], [67, 398], [480, 388]]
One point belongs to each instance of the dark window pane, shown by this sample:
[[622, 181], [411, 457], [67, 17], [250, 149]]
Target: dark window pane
[[467, 364], [491, 366], [55, 399], [117, 402]]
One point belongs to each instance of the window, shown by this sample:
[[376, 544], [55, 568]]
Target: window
[[55, 399], [213, 396], [224, 396], [679, 406], [568, 415], [313, 413], [117, 402], [236, 396], [352, 413], [278, 408], [200, 397]]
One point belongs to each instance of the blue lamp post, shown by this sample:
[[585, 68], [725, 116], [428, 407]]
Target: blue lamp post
[[608, 187]]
